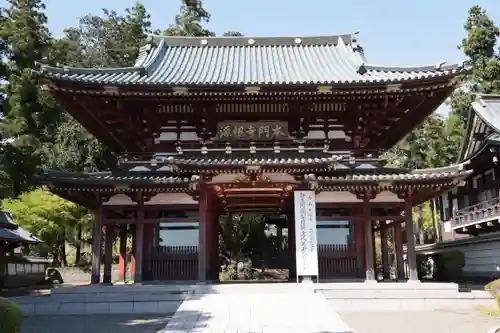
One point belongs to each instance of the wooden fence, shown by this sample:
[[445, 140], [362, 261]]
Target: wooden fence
[[181, 262], [337, 261], [175, 263]]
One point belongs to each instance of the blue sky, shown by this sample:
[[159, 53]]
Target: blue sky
[[392, 32]]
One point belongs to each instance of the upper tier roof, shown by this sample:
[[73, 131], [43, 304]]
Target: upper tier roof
[[231, 61], [484, 120]]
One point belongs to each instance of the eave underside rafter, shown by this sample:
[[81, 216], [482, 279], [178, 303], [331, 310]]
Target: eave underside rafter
[[129, 121]]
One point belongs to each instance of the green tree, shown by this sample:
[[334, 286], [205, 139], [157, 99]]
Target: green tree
[[24, 114], [480, 46], [49, 217], [190, 20]]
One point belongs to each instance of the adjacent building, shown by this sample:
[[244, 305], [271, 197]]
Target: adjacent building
[[470, 213]]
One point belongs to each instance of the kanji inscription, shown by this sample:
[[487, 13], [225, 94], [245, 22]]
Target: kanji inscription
[[259, 130]]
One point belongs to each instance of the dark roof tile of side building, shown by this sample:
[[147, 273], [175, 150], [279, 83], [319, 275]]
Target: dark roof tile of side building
[[11, 232], [484, 118], [235, 61]]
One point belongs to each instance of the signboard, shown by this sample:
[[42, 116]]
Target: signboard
[[258, 130], [306, 239]]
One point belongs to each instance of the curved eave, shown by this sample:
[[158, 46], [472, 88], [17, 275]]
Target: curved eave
[[403, 77], [108, 181]]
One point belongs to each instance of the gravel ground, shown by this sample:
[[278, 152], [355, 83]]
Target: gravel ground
[[442, 321], [95, 324]]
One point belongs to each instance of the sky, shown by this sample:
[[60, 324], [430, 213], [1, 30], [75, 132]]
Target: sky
[[392, 32]]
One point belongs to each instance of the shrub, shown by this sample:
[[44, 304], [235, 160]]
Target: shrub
[[11, 316], [238, 270], [493, 288]]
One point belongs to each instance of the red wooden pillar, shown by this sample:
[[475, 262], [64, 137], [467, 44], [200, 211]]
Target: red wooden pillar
[[139, 241], [108, 252], [214, 243], [398, 245], [410, 241], [359, 243], [205, 229], [369, 257], [291, 246], [132, 253], [97, 245], [122, 264], [384, 246], [148, 250]]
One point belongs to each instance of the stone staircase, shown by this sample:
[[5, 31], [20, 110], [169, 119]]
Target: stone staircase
[[402, 296], [116, 299], [166, 298]]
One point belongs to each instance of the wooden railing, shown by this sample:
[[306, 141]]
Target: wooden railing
[[336, 260], [175, 263], [480, 211], [181, 262]]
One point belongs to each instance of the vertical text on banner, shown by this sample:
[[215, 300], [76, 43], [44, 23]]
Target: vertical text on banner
[[306, 241]]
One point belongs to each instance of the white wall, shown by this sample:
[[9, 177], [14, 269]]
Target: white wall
[[179, 237], [332, 235]]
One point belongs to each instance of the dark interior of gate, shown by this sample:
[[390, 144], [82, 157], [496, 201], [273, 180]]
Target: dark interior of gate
[[252, 223]]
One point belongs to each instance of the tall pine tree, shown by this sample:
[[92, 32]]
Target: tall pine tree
[[24, 30]]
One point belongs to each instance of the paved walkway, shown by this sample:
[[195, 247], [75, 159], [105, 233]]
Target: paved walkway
[[304, 312]]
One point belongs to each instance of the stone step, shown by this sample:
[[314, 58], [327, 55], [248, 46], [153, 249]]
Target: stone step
[[83, 308], [402, 294], [421, 304]]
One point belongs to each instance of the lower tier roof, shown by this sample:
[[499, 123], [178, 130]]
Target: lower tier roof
[[359, 180]]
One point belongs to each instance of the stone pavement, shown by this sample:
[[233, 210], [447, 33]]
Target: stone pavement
[[438, 321], [304, 312]]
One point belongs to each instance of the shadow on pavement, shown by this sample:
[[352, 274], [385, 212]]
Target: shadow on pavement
[[96, 324]]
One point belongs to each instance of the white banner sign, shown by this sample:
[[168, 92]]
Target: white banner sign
[[306, 239]]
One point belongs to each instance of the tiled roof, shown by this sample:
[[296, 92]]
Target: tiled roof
[[20, 235], [439, 174], [107, 178], [10, 231], [205, 61], [262, 159], [484, 118]]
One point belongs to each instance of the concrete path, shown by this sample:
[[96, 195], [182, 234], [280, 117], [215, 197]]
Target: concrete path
[[304, 312]]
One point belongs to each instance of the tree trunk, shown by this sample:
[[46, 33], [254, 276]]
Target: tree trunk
[[78, 246], [420, 224], [62, 248], [64, 259], [55, 257], [435, 221]]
